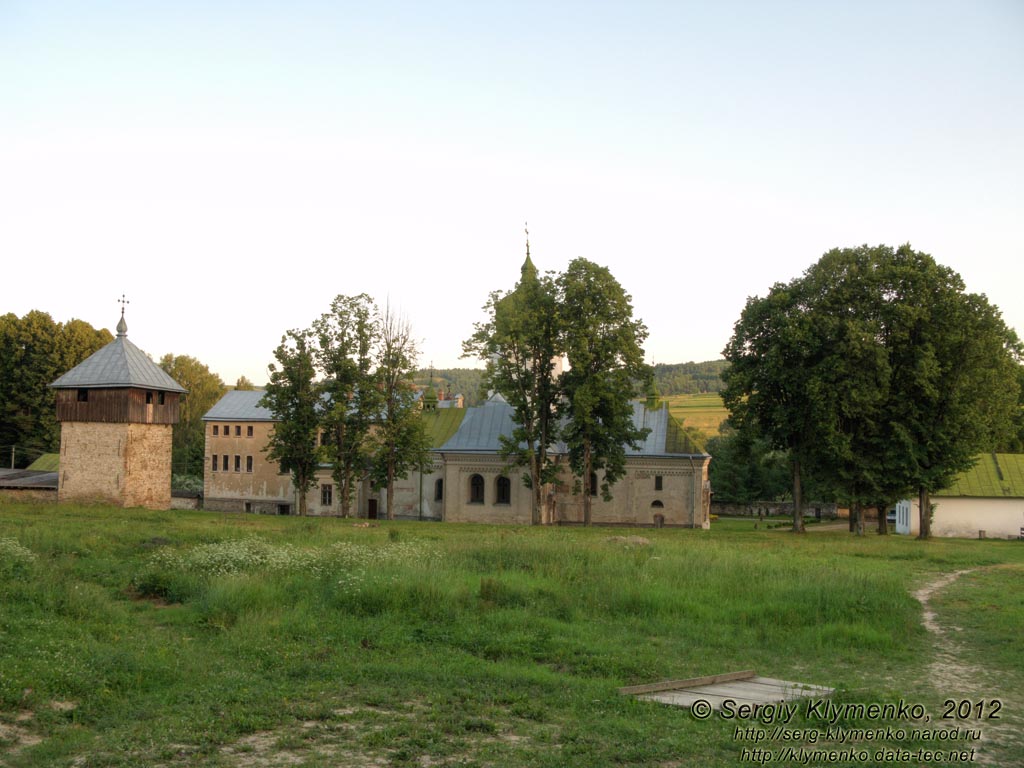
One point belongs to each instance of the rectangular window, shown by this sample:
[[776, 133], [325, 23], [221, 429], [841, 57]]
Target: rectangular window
[[224, 463], [83, 395], [657, 482], [248, 506], [326, 495], [248, 431], [238, 430], [215, 462], [162, 398], [248, 463], [216, 430], [238, 463], [227, 430], [149, 398]]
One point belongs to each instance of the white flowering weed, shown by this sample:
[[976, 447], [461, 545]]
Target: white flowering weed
[[15, 557]]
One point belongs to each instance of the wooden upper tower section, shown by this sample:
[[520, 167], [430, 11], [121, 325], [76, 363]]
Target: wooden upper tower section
[[118, 384]]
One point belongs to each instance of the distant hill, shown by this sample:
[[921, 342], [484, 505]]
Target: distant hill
[[670, 379], [458, 381], [689, 378]]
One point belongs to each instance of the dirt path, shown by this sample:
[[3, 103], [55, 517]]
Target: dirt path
[[952, 676]]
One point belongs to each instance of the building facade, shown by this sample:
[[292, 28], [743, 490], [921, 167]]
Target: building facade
[[666, 481]]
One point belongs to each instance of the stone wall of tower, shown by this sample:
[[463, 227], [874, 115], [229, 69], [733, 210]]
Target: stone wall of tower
[[124, 464]]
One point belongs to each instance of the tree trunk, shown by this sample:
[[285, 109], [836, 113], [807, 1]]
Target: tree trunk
[[587, 490], [924, 502], [390, 507], [798, 499], [858, 514], [883, 520], [538, 495]]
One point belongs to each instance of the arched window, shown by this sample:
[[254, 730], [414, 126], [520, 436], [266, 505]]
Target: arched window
[[476, 490], [439, 489], [593, 483], [657, 505], [503, 490]]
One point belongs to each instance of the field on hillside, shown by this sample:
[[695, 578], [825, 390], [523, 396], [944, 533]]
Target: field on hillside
[[705, 412], [138, 638]]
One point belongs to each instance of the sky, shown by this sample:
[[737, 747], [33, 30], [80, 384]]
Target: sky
[[231, 167]]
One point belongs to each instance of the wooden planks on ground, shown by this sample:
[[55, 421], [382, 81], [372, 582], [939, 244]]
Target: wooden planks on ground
[[740, 687]]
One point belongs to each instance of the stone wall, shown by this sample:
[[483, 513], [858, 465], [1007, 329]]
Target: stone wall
[[123, 464]]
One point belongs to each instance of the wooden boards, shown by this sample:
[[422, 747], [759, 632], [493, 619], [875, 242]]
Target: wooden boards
[[744, 687]]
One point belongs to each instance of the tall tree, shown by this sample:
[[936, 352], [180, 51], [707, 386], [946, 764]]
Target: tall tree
[[205, 388], [401, 441], [604, 346], [895, 378], [767, 390], [520, 344], [347, 338], [292, 396], [242, 384], [34, 351]]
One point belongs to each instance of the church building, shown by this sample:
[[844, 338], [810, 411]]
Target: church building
[[666, 480]]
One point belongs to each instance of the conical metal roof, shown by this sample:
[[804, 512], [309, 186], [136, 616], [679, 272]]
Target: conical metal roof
[[119, 364]]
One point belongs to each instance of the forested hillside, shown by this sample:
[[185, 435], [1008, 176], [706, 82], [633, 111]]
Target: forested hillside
[[689, 378]]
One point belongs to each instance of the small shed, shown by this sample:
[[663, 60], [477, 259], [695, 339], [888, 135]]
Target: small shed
[[986, 501]]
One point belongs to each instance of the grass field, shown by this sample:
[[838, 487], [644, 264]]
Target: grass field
[[137, 638], [705, 412]]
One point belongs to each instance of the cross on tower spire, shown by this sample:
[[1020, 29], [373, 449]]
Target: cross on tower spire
[[122, 326]]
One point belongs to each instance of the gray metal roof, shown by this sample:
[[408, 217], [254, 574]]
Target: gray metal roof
[[27, 478], [239, 405], [119, 364], [657, 422], [483, 426]]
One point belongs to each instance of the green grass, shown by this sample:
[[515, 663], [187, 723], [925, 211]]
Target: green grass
[[704, 412], [135, 638]]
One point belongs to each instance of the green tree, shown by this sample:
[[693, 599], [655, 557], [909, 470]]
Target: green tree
[[746, 469], [244, 385], [767, 389], [347, 337], [205, 388], [604, 346], [293, 397], [400, 439], [878, 372], [34, 351], [520, 344]]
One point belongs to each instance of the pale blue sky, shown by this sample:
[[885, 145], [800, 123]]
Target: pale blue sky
[[233, 166]]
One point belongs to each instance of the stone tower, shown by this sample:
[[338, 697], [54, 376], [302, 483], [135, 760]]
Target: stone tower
[[116, 410]]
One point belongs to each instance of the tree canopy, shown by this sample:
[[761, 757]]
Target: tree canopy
[[603, 344], [877, 372], [585, 316], [293, 396], [34, 351], [205, 388]]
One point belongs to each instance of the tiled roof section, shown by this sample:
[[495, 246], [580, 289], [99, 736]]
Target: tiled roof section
[[119, 364], [239, 405], [996, 475]]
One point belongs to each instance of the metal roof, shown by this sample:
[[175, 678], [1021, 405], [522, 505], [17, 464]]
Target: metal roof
[[240, 405], [119, 364], [484, 425], [995, 475]]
